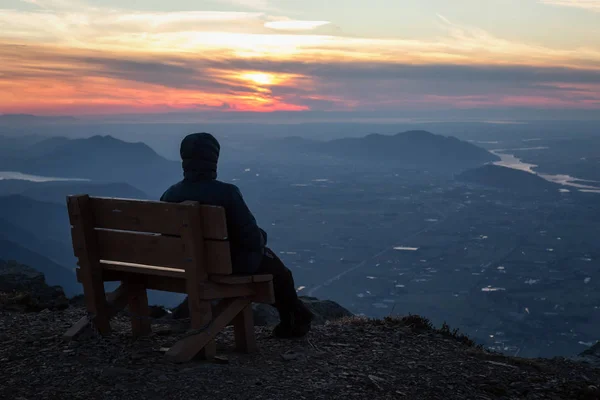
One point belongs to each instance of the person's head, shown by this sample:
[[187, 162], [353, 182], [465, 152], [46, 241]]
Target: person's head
[[199, 155]]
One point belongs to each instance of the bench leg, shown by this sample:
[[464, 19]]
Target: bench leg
[[138, 305], [187, 348], [243, 326], [116, 301]]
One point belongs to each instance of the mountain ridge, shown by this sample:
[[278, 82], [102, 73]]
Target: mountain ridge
[[412, 149]]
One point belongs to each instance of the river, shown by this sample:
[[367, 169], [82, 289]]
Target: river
[[512, 161]]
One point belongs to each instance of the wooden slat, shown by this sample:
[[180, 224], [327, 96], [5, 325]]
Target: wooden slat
[[143, 249], [240, 278], [137, 248], [143, 270], [262, 278], [218, 257], [264, 292], [231, 279], [155, 216], [259, 292]]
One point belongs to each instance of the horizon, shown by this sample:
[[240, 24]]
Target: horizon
[[258, 60]]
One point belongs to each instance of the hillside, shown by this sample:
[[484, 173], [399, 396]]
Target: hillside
[[98, 158], [55, 249], [411, 149], [508, 179], [45, 220]]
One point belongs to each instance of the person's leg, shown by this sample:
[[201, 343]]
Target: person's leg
[[283, 281], [295, 318]]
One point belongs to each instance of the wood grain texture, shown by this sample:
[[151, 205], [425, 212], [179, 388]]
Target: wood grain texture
[[155, 217]]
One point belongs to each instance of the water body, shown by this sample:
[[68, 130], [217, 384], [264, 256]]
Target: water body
[[35, 178], [511, 161]]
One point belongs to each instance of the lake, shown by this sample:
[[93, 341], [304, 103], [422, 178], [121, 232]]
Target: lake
[[35, 178]]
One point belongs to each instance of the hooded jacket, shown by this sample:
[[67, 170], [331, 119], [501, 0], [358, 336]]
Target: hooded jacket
[[200, 155]]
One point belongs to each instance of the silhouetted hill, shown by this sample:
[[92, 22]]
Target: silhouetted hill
[[508, 179], [11, 144], [412, 149], [57, 191], [35, 230], [46, 220], [56, 249], [46, 146], [100, 159]]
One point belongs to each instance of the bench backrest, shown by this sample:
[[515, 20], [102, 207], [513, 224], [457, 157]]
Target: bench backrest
[[142, 234]]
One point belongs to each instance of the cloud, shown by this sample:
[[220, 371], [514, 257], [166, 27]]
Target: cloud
[[293, 25], [70, 56], [591, 5], [48, 77]]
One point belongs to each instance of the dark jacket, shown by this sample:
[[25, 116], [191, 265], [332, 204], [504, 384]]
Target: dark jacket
[[200, 154]]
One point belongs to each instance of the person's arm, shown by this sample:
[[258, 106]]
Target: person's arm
[[243, 227]]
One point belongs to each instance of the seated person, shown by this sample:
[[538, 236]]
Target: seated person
[[249, 254]]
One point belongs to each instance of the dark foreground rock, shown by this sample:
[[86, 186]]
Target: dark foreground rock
[[266, 315], [349, 358], [24, 289]]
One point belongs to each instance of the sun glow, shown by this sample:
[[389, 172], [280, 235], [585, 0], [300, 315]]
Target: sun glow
[[260, 78]]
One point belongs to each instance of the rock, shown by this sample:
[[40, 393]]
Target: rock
[[591, 355], [266, 315], [24, 289], [77, 301], [158, 311], [325, 310]]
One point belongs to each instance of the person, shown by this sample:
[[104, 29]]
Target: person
[[248, 242]]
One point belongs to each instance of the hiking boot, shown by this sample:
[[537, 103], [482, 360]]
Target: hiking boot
[[294, 323]]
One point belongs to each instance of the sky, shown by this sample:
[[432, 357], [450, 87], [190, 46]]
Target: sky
[[376, 57]]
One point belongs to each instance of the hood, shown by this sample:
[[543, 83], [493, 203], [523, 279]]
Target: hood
[[199, 155]]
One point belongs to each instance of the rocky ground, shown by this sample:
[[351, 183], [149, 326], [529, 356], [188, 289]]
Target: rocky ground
[[347, 358]]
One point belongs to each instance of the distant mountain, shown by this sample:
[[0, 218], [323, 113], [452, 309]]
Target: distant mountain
[[508, 179], [57, 191], [99, 158], [9, 145], [412, 149], [45, 147]]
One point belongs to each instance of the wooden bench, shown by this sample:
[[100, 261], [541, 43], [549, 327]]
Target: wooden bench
[[179, 248]]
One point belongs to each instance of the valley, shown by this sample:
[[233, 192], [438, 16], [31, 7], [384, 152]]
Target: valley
[[381, 237]]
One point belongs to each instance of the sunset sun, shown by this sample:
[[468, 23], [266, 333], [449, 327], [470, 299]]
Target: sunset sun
[[260, 78]]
